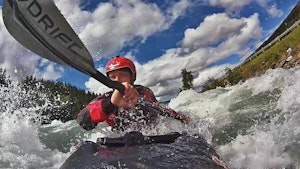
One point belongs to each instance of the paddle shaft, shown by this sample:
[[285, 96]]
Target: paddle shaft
[[107, 82]]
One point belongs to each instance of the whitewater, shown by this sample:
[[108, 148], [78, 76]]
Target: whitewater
[[254, 124]]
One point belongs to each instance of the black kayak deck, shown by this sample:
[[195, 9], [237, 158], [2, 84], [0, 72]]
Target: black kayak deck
[[136, 151]]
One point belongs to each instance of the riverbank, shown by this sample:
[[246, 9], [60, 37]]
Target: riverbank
[[283, 54]]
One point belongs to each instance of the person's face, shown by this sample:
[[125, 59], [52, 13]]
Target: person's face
[[120, 76]]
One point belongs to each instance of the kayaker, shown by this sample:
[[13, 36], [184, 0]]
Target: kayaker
[[131, 110]]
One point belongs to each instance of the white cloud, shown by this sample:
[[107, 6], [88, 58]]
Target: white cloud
[[230, 5], [235, 6], [213, 72], [270, 7], [48, 70], [115, 24], [274, 12], [177, 10], [95, 86], [213, 29]]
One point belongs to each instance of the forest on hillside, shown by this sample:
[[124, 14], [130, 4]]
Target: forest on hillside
[[57, 100]]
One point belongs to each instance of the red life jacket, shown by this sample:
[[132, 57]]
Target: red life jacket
[[119, 118]]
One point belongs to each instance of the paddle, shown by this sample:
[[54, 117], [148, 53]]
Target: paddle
[[39, 26]]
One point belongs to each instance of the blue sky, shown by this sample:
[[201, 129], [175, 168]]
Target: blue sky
[[162, 37]]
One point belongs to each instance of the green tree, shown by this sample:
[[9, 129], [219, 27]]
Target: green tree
[[63, 101], [4, 79], [211, 83], [187, 80]]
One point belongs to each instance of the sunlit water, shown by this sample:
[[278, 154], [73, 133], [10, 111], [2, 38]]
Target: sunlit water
[[253, 125]]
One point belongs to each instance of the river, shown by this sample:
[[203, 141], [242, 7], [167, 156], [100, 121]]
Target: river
[[254, 124]]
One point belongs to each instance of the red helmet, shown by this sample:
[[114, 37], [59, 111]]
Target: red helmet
[[119, 62]]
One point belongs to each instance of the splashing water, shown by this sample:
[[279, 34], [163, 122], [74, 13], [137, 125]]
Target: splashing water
[[252, 125], [20, 146]]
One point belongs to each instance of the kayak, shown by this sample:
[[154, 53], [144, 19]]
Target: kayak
[[136, 151]]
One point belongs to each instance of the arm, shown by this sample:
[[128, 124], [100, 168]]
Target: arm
[[152, 102], [171, 113], [97, 111], [104, 107]]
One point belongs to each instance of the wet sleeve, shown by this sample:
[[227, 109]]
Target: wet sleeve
[[181, 117], [163, 110], [168, 112], [149, 95], [95, 112], [108, 107], [84, 119], [100, 110]]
